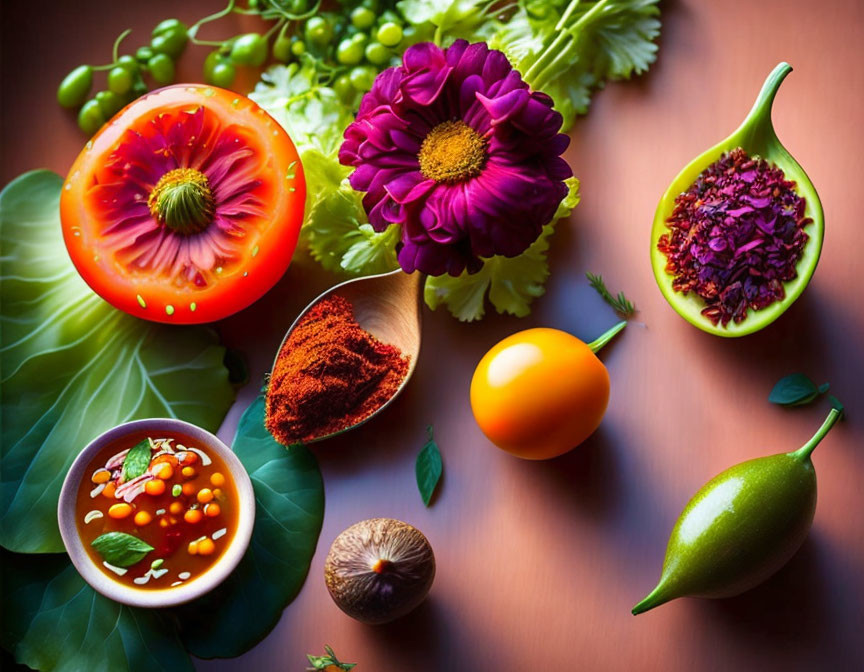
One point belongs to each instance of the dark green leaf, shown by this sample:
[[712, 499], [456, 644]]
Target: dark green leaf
[[73, 366], [136, 461], [428, 468], [52, 620], [835, 403], [289, 499], [120, 549], [794, 390]]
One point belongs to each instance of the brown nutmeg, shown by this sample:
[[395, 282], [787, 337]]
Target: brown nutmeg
[[379, 569]]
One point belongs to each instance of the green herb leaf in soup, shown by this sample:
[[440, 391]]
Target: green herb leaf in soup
[[74, 367], [121, 549], [137, 460], [428, 468]]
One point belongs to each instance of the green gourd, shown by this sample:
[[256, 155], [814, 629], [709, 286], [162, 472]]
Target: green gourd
[[742, 526], [757, 137]]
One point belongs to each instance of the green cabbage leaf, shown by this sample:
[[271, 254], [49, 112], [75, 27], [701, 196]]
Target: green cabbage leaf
[[72, 366]]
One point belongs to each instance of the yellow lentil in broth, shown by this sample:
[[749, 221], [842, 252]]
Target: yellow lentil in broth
[[187, 510]]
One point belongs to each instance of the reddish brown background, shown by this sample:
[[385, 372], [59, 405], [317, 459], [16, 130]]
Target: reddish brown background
[[539, 563]]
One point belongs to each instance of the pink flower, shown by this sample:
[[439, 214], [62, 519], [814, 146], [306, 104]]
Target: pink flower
[[455, 148]]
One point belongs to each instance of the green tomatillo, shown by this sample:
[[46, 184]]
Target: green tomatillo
[[742, 526]]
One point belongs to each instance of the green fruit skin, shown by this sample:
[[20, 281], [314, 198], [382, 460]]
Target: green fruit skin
[[740, 528], [75, 86]]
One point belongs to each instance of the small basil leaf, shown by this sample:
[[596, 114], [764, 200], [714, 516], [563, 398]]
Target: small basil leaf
[[428, 468], [794, 390], [136, 462], [121, 549], [823, 388]]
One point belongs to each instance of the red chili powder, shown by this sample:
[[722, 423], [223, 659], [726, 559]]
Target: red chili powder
[[330, 374]]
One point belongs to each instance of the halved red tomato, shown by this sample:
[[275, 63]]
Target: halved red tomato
[[186, 207]]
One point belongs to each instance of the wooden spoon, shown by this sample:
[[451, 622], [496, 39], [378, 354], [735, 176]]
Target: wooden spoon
[[388, 307]]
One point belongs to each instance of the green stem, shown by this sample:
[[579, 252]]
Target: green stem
[[804, 452], [608, 336], [114, 50], [758, 124], [193, 31]]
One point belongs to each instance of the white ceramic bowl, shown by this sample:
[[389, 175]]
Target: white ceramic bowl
[[163, 597]]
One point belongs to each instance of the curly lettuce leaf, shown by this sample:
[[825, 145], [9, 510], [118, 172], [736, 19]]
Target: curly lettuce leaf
[[452, 19], [341, 240], [569, 55], [73, 366], [312, 114], [511, 283]]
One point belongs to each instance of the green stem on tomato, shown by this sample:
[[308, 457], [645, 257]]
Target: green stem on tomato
[[608, 336]]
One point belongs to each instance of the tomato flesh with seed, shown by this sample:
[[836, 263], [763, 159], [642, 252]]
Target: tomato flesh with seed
[[186, 207]]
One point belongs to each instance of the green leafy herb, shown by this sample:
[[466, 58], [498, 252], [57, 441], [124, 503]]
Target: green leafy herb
[[289, 504], [796, 390], [619, 303], [511, 283], [323, 662], [428, 468], [52, 620], [312, 114], [452, 19], [121, 549], [136, 461], [570, 51], [73, 366]]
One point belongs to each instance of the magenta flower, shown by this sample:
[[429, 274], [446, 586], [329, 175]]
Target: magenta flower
[[180, 196], [454, 147]]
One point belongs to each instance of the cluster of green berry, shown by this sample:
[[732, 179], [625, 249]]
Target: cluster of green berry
[[348, 48], [125, 79]]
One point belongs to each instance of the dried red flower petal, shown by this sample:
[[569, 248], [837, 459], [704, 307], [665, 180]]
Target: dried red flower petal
[[735, 236]]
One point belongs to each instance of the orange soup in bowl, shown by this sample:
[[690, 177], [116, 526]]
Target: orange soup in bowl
[[155, 511]]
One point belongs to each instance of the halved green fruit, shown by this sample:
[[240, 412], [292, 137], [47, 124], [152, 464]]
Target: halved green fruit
[[757, 137]]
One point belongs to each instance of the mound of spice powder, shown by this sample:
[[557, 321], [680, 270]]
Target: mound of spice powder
[[329, 375], [735, 236]]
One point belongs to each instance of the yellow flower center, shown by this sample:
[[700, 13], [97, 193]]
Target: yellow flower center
[[452, 152], [182, 201]]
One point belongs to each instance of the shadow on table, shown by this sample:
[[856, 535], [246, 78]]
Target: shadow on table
[[790, 610], [419, 636], [588, 475]]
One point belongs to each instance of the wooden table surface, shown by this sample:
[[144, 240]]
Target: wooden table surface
[[539, 563]]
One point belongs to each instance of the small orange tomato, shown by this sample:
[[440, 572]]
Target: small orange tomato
[[206, 546], [186, 207], [154, 487], [212, 510], [164, 471], [118, 511], [108, 490], [540, 392], [193, 516], [176, 507], [142, 518]]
